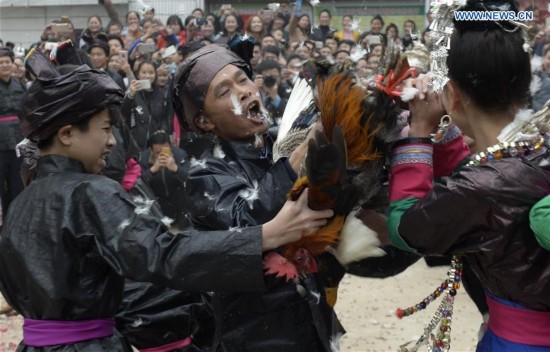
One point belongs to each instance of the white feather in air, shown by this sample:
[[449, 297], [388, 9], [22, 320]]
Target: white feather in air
[[314, 2], [167, 221], [357, 242], [355, 24], [235, 229], [218, 152], [535, 85], [408, 94], [143, 206], [358, 54], [257, 140], [250, 194], [209, 196], [536, 63], [124, 224], [198, 163], [237, 108], [136, 323]]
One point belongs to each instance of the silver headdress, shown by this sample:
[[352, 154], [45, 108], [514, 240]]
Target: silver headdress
[[442, 28]]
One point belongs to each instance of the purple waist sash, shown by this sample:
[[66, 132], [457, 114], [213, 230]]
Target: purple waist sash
[[39, 333]]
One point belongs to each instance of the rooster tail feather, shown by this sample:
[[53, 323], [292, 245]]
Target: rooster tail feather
[[342, 102]]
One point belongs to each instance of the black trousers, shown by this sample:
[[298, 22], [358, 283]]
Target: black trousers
[[11, 183]]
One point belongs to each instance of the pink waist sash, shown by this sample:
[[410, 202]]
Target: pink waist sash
[[9, 118], [39, 333], [519, 325], [170, 346]]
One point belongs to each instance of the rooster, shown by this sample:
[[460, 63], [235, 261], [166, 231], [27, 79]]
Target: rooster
[[329, 188], [344, 165]]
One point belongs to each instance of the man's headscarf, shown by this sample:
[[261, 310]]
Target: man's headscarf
[[56, 100], [197, 72]]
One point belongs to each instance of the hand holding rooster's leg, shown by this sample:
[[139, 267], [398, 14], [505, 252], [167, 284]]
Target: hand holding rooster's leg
[[293, 221]]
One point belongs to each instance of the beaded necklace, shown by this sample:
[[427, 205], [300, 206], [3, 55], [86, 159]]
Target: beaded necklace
[[441, 340], [529, 148]]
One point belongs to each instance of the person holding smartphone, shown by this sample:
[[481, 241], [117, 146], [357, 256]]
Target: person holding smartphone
[[143, 107], [164, 170]]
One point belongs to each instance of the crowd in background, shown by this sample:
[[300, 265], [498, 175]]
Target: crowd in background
[[142, 53]]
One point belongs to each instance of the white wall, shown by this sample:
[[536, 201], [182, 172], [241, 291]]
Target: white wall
[[165, 8], [23, 25]]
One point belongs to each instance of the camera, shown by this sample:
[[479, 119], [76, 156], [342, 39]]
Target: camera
[[269, 81], [198, 22]]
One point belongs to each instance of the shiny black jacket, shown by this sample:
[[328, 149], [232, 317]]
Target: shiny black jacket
[[81, 234], [168, 186], [289, 316], [145, 114], [216, 186], [11, 94], [483, 212]]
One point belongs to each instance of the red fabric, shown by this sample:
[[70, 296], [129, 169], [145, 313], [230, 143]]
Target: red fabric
[[447, 157], [170, 346], [176, 130], [133, 172], [518, 325], [163, 43], [410, 181]]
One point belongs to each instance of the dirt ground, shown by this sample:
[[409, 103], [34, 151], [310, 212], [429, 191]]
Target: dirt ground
[[366, 309]]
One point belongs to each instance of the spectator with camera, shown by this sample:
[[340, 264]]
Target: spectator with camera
[[274, 91], [164, 170], [143, 107]]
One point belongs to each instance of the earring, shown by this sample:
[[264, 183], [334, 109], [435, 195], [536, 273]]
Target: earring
[[442, 128]]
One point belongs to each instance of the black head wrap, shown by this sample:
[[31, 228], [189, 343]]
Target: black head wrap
[[198, 70], [56, 100]]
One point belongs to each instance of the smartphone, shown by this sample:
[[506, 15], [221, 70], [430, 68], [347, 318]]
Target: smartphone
[[123, 55], [547, 20], [171, 50], [274, 6], [166, 150], [373, 39], [49, 46], [226, 6], [147, 48], [144, 84], [319, 45], [60, 27]]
